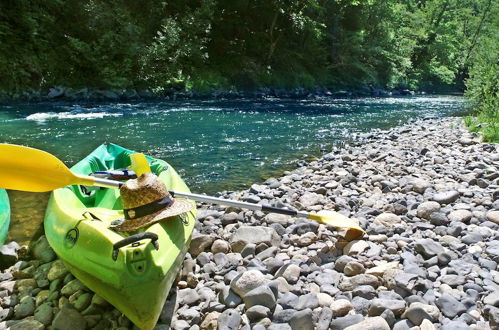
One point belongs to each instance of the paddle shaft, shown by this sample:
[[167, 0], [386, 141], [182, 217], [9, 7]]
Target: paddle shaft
[[214, 200], [250, 206]]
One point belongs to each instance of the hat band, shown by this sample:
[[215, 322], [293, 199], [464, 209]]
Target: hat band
[[143, 210]]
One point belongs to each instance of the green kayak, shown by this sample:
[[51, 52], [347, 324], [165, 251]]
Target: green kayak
[[125, 269], [4, 215]]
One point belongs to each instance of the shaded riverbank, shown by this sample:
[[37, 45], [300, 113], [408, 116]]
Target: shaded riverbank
[[430, 259], [66, 94]]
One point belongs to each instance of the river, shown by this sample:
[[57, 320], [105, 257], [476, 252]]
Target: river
[[214, 145]]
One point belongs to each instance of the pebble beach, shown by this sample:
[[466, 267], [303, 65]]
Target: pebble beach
[[426, 193]]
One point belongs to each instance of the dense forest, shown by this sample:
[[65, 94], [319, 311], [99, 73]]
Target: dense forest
[[204, 45]]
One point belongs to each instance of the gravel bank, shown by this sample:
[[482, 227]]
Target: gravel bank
[[426, 193]]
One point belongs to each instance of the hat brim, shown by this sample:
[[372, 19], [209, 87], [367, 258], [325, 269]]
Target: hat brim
[[178, 207]]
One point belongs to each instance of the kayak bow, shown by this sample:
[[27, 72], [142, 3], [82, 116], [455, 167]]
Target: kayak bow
[[134, 273]]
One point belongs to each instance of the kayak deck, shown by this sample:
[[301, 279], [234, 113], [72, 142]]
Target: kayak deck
[[135, 278]]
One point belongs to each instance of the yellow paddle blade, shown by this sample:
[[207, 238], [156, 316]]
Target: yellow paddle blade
[[335, 219], [29, 169], [140, 165]]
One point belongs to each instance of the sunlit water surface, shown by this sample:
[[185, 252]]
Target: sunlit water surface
[[214, 145]]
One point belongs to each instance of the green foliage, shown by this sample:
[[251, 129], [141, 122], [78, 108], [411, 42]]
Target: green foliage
[[483, 85], [179, 47], [208, 45]]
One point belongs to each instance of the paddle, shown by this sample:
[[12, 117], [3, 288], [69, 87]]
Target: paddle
[[29, 169], [140, 165]]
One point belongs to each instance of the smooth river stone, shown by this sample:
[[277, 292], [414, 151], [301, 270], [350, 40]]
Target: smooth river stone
[[355, 247], [387, 219], [493, 216], [460, 216], [446, 197], [248, 281], [425, 209], [371, 323]]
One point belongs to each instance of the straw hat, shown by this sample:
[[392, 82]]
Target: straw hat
[[147, 201]]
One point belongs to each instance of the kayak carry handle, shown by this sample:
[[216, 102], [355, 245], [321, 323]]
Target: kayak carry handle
[[133, 239]]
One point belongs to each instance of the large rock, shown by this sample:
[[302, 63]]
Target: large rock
[[302, 320], [26, 307], [8, 255], [257, 313], [353, 282], [439, 219], [200, 243], [425, 209], [311, 199], [283, 315], [492, 299], [378, 306], [261, 295], [229, 298], [230, 319], [427, 325], [305, 239], [381, 269], [341, 307], [324, 319], [341, 262], [355, 247], [387, 219], [27, 324], [290, 272], [420, 185], [256, 235], [83, 301], [57, 270], [342, 323], [428, 248], [446, 197], [188, 296], [371, 323], [281, 219], [493, 216], [450, 306], [248, 281], [55, 92], [220, 246], [325, 300], [458, 325], [106, 94], [353, 268], [460, 215], [493, 250], [44, 314], [72, 286], [69, 318], [309, 300], [418, 312], [42, 251], [210, 321]]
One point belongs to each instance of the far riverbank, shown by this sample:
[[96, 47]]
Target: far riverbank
[[67, 94]]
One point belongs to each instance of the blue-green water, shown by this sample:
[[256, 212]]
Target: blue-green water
[[215, 145]]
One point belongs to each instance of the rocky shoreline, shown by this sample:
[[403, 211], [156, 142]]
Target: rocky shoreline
[[66, 94], [426, 193]]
